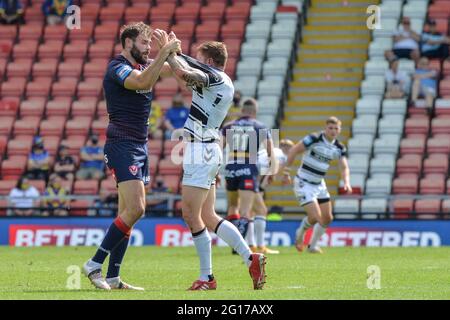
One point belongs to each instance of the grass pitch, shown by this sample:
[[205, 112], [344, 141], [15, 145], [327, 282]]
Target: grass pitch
[[340, 273]]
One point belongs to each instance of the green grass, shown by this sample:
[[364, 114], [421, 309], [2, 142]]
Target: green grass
[[340, 273]]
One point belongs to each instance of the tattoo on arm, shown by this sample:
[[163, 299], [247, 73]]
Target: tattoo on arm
[[193, 77]]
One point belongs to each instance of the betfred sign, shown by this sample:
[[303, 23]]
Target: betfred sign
[[345, 237], [51, 235]]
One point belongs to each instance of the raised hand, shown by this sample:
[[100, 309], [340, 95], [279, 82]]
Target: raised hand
[[161, 38]]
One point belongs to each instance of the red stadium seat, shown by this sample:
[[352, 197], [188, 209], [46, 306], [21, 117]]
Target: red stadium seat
[[86, 187], [436, 163], [79, 207], [39, 87], [233, 47], [25, 49], [20, 146], [106, 31], [101, 108], [170, 145], [446, 206], [78, 126], [74, 144], [90, 12], [56, 32], [85, 32], [65, 87], [51, 49], [13, 87], [111, 13], [162, 12], [439, 9], [58, 107], [38, 184], [27, 125], [439, 144], [32, 107], [70, 68], [85, 107], [6, 125], [427, 206], [233, 30], [90, 87], [51, 144], [34, 14], [137, 13], [403, 185], [8, 32], [403, 208], [14, 166], [446, 67], [207, 31], [3, 144], [440, 124], [6, 186], [30, 32], [172, 182], [19, 68], [212, 12], [239, 11], [167, 86], [409, 163], [95, 68], [76, 49], [444, 86], [100, 125], [3, 62], [412, 145], [8, 107], [417, 125], [432, 185], [109, 185], [5, 48], [167, 167], [101, 50], [53, 126], [155, 147], [184, 30]]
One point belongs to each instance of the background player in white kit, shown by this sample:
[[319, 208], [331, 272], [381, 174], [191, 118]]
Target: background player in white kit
[[211, 98], [259, 209], [309, 184]]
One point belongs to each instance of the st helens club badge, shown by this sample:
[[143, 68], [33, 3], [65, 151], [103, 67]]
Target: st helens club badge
[[133, 169]]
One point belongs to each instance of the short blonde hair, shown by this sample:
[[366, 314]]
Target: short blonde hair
[[215, 50], [333, 120], [286, 142]]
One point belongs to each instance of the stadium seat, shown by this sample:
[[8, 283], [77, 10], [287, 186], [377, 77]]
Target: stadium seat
[[405, 185], [436, 163], [170, 145], [343, 205], [85, 107], [446, 206], [379, 184], [409, 163], [27, 125], [95, 68], [30, 32], [74, 144], [14, 166], [109, 184], [137, 13], [52, 126], [56, 32], [432, 185], [101, 50], [111, 13], [372, 207], [85, 187], [100, 125], [107, 31], [403, 208], [45, 68], [86, 30], [155, 147], [79, 207], [162, 12], [233, 30], [51, 144], [207, 31], [39, 87], [184, 30], [78, 126], [6, 125], [19, 68], [26, 49], [9, 106], [58, 107], [440, 124], [70, 68], [20, 145], [76, 49], [90, 87], [8, 32], [167, 167], [415, 145], [417, 125], [423, 207], [166, 87], [188, 12], [439, 144], [6, 186]]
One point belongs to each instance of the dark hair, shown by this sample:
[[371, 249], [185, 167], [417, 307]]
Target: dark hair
[[20, 182], [217, 51], [133, 30]]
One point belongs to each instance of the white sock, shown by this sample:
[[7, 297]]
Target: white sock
[[318, 232], [300, 233], [260, 230], [231, 235], [202, 243], [250, 237], [94, 265]]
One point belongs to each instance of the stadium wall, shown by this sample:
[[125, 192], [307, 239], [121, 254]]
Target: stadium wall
[[173, 232]]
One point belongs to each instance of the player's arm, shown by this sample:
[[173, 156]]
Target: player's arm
[[193, 77], [345, 174], [146, 79], [293, 152], [274, 164]]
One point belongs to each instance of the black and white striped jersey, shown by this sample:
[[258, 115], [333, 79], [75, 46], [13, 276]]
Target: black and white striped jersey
[[210, 104], [318, 155]]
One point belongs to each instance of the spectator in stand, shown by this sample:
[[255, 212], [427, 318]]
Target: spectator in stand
[[406, 43], [159, 206], [235, 110], [23, 198], [106, 205], [11, 12], [92, 165], [155, 121], [58, 205], [65, 164], [55, 10], [397, 81], [176, 116], [425, 83], [433, 43], [38, 161]]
